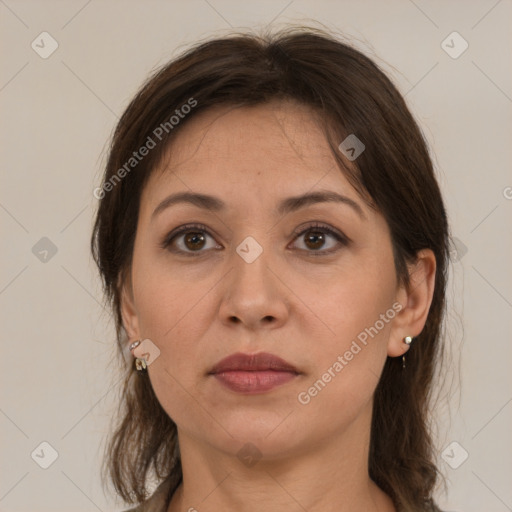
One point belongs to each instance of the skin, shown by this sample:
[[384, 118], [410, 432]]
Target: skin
[[304, 307]]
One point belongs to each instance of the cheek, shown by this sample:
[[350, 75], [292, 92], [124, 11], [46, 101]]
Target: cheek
[[358, 299], [347, 366], [166, 297], [171, 314], [358, 310]]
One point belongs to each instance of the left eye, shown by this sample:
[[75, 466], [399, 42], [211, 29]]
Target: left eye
[[316, 239]]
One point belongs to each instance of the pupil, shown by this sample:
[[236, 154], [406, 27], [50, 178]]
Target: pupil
[[318, 237], [194, 238]]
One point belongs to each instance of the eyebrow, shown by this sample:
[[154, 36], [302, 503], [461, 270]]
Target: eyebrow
[[288, 205]]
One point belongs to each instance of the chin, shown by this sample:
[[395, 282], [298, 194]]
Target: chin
[[273, 434]]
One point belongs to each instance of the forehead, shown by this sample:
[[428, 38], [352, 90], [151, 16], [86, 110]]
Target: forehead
[[258, 149], [277, 130]]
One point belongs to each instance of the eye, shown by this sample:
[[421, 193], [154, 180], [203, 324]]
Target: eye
[[192, 240], [189, 239], [317, 236]]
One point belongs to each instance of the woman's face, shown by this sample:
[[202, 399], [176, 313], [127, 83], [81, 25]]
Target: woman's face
[[262, 274]]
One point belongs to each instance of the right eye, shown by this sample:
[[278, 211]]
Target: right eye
[[190, 239]]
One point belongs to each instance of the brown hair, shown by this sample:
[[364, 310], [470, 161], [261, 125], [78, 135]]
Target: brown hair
[[394, 174]]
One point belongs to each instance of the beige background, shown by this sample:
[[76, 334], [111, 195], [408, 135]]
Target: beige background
[[57, 115]]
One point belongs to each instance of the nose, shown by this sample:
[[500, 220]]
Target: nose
[[254, 295]]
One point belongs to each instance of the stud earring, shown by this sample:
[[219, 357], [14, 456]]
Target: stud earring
[[140, 363], [407, 340]]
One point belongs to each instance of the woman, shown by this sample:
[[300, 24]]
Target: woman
[[273, 242]]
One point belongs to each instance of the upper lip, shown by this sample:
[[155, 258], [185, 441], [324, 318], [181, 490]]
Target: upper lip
[[253, 362]]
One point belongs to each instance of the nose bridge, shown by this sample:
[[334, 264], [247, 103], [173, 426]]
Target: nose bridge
[[253, 293]]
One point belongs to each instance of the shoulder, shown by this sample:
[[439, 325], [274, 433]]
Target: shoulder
[[146, 506], [434, 508], [158, 501], [150, 505]]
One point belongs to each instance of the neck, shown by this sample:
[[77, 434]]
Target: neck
[[330, 475]]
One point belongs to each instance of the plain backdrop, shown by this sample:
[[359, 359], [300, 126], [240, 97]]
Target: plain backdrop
[[57, 114]]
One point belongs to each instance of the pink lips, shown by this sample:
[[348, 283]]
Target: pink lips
[[253, 373]]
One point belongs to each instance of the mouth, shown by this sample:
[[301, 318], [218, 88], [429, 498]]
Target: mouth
[[253, 373]]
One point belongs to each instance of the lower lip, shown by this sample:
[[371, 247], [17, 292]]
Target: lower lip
[[254, 381]]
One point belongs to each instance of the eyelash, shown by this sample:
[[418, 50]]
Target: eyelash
[[322, 228]]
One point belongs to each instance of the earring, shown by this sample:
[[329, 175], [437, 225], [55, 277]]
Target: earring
[[407, 340], [140, 363]]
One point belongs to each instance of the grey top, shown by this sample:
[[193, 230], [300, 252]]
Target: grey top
[[158, 501]]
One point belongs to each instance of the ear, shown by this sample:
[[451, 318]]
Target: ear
[[128, 309], [415, 301]]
